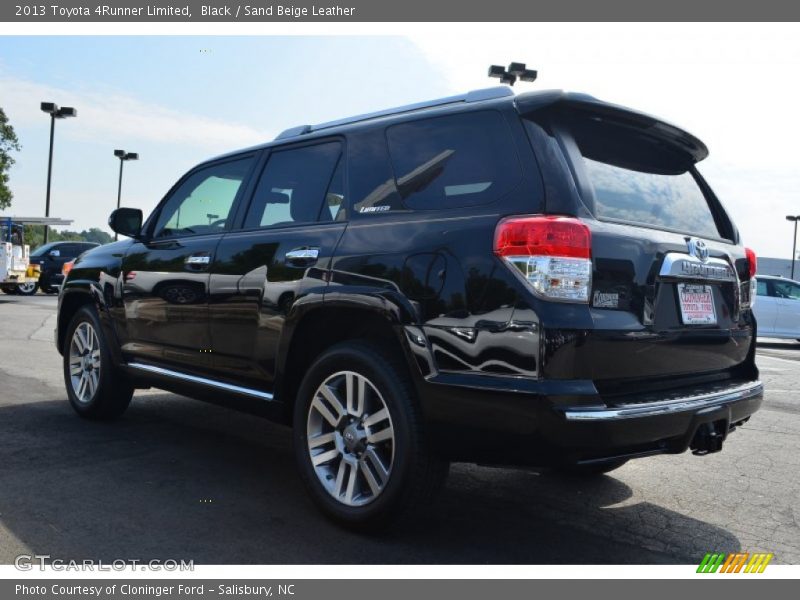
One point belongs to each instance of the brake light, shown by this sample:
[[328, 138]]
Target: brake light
[[747, 289], [752, 261], [67, 267], [552, 253]]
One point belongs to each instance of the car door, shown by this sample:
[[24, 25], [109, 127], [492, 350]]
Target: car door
[[787, 320], [165, 274], [766, 307], [280, 253]]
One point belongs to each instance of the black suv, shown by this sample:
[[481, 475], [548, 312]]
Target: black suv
[[542, 280], [51, 258]]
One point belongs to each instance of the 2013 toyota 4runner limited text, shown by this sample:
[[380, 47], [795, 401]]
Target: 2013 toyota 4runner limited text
[[542, 280]]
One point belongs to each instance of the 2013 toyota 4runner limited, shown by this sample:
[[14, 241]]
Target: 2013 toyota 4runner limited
[[542, 279]]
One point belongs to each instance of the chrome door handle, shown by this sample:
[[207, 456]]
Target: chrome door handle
[[303, 254], [197, 262], [198, 259]]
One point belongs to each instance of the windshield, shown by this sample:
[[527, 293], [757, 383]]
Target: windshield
[[42, 250]]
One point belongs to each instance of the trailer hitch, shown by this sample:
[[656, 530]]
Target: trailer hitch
[[709, 437]]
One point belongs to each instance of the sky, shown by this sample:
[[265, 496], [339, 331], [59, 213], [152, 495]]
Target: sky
[[177, 100]]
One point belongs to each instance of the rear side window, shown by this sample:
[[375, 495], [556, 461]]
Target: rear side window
[[452, 161], [294, 186]]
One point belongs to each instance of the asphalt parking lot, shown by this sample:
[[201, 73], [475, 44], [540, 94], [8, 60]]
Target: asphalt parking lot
[[179, 479]]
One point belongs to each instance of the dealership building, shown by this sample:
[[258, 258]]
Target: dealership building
[[781, 267]]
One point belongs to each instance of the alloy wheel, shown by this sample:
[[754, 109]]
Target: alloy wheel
[[84, 362], [350, 438]]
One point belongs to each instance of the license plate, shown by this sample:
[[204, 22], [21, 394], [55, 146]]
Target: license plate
[[697, 304]]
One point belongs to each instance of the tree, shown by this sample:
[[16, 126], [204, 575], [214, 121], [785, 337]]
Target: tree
[[97, 236], [34, 236], [8, 142]]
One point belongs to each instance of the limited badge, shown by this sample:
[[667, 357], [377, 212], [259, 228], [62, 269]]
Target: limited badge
[[605, 299]]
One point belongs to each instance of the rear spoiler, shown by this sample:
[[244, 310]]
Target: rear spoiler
[[531, 102]]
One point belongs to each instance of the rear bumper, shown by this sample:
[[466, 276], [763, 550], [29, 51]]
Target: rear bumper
[[549, 430], [15, 277], [671, 426], [732, 395]]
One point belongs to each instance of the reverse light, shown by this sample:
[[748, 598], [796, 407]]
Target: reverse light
[[552, 254]]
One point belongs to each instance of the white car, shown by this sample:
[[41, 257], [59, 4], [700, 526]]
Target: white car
[[777, 307]]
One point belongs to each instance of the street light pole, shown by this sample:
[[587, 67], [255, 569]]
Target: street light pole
[[122, 156], [55, 112], [794, 218], [49, 173]]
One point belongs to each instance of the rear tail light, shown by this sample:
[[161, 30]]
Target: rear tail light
[[67, 268], [752, 261], [748, 288], [552, 254]]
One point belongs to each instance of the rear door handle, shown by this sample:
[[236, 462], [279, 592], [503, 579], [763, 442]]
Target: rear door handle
[[302, 256], [198, 262]]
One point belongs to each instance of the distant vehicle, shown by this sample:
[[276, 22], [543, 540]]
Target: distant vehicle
[[18, 273], [777, 307], [14, 255], [51, 258]]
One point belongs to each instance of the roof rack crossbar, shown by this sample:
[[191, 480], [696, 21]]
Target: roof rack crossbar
[[473, 96]]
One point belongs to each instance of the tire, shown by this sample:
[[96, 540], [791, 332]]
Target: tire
[[592, 469], [9, 289], [373, 466], [96, 389], [27, 289]]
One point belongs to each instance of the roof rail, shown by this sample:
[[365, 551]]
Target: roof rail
[[473, 96]]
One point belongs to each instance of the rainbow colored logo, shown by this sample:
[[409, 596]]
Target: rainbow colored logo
[[737, 562]]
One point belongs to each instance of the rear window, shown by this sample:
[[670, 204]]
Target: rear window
[[453, 161], [654, 199], [638, 178]]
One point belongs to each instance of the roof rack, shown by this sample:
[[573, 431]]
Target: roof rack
[[473, 96]]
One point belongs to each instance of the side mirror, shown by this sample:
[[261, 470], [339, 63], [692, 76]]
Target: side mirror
[[126, 221], [55, 253]]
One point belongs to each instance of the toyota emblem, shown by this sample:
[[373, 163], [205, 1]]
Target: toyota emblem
[[698, 248]]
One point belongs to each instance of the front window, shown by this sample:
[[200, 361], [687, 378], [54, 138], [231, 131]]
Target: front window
[[203, 203], [43, 250]]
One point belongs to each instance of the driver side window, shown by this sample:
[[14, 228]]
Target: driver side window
[[203, 203]]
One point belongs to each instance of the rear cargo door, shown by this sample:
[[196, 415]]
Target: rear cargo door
[[666, 294]]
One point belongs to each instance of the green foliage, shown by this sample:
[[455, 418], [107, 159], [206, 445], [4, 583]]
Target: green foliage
[[8, 142], [34, 235]]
